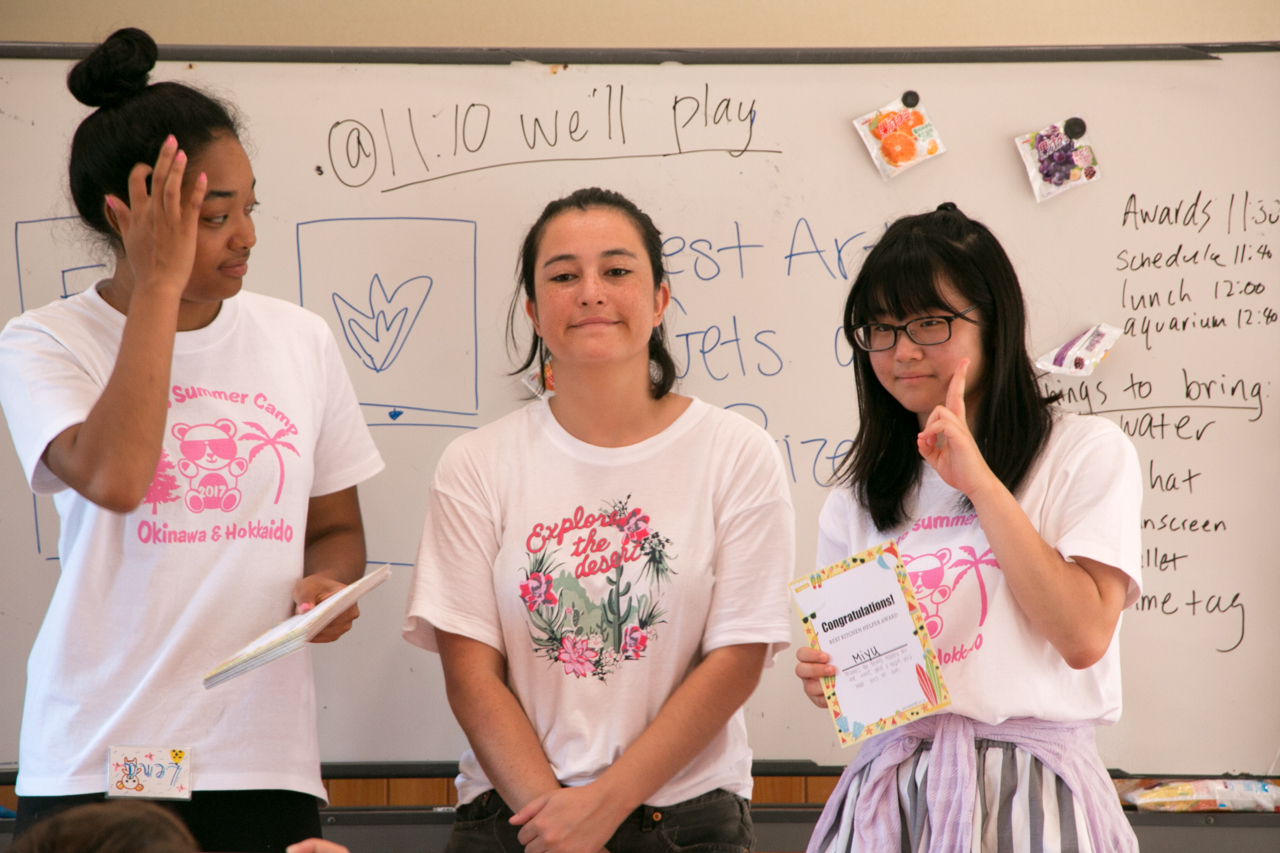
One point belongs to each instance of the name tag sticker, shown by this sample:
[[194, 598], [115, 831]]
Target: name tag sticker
[[149, 772], [863, 612]]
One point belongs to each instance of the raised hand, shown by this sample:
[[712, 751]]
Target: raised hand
[[158, 228], [948, 446]]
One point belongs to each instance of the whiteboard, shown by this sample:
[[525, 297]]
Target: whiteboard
[[373, 177]]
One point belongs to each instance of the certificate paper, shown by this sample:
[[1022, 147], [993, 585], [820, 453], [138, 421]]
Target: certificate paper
[[863, 612]]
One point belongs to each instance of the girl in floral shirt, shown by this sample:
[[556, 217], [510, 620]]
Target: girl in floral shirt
[[604, 573]]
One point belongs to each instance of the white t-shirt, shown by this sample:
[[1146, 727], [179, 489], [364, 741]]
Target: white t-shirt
[[605, 575], [262, 417], [1084, 496]]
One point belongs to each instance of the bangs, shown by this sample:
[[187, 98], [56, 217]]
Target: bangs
[[900, 281]]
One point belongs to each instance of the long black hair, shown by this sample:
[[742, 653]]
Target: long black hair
[[901, 277], [131, 123], [662, 367]]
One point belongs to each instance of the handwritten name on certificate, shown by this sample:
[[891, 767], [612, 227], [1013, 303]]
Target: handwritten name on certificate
[[863, 612]]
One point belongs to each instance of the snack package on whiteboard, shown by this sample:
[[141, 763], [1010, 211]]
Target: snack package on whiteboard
[[1058, 158], [1080, 355], [899, 135], [541, 387]]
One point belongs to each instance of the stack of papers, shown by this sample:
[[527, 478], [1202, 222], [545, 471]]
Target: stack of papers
[[294, 633]]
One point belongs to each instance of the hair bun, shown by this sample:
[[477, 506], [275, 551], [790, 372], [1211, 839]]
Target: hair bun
[[948, 205], [115, 69]]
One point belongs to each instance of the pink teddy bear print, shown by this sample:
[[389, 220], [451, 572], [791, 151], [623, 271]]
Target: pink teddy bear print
[[209, 457]]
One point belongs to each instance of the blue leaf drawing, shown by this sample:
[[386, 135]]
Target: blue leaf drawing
[[378, 336], [394, 414]]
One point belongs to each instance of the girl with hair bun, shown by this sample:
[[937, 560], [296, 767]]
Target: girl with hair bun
[[1019, 527], [144, 405], [603, 574]]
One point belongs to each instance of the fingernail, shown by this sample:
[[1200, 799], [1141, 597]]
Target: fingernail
[[172, 140], [182, 155], [303, 608]]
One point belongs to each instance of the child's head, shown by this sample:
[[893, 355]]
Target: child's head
[[116, 826], [132, 122], [939, 264], [942, 263]]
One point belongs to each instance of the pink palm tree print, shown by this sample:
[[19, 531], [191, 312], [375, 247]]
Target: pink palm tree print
[[265, 440], [975, 563]]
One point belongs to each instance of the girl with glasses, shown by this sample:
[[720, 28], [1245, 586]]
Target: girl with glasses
[[1019, 528], [203, 446]]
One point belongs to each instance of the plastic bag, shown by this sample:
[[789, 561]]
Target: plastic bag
[[1080, 355], [899, 135], [1058, 158], [1207, 795]]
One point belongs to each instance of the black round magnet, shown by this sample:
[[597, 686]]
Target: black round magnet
[[910, 98], [1073, 128]]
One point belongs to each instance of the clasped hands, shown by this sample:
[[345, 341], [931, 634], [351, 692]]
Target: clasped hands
[[568, 820]]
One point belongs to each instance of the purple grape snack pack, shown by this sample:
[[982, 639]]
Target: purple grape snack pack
[[1080, 355], [1058, 158]]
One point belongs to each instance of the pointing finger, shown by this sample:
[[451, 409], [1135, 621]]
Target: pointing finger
[[955, 391]]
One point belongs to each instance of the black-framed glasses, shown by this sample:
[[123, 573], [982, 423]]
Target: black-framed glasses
[[925, 331]]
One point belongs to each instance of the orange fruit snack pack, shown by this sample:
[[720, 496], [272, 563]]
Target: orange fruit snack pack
[[1058, 158], [899, 135]]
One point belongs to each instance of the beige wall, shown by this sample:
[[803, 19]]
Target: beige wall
[[647, 23]]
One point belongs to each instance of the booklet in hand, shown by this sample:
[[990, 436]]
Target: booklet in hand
[[294, 633], [863, 612]]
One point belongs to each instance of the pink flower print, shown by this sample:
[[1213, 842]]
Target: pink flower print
[[577, 656], [536, 591], [634, 640], [636, 527]]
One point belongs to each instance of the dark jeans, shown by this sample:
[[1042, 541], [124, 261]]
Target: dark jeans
[[716, 822], [225, 821]]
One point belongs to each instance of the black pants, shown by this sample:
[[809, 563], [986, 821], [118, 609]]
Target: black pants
[[716, 822], [225, 821]]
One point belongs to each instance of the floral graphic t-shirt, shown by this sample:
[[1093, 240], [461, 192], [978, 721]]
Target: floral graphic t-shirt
[[592, 637], [1084, 497], [604, 575]]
